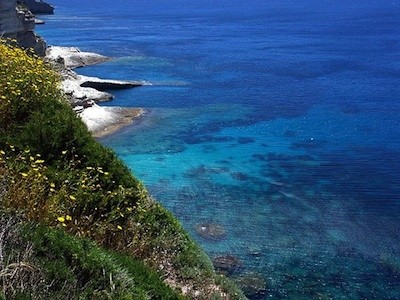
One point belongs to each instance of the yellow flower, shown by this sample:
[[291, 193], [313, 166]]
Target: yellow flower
[[61, 219], [72, 197], [24, 175], [68, 218], [119, 227]]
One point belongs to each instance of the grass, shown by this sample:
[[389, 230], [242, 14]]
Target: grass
[[55, 174], [55, 265]]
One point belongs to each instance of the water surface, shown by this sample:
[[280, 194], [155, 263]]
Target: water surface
[[278, 120]]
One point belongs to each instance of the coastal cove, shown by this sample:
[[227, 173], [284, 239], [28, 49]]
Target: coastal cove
[[270, 131]]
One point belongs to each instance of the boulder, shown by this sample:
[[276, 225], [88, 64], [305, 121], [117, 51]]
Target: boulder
[[227, 264], [253, 285], [210, 231]]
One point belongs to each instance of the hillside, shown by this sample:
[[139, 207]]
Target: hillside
[[80, 223]]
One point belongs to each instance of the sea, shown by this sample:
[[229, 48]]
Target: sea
[[276, 121]]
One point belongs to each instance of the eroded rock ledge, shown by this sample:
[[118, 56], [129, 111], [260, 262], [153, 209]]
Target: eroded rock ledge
[[83, 89], [84, 92], [72, 57]]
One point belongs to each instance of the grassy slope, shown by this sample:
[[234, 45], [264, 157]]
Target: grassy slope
[[57, 175], [45, 263]]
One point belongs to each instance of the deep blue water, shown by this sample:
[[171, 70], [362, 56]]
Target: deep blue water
[[279, 120]]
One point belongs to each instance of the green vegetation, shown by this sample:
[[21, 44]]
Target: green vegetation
[[45, 263], [70, 190]]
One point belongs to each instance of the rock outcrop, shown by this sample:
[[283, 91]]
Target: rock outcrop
[[17, 22], [227, 264], [83, 90], [253, 285], [73, 58], [39, 7], [210, 231]]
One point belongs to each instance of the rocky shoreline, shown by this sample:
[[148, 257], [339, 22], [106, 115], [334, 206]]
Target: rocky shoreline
[[18, 23], [84, 92]]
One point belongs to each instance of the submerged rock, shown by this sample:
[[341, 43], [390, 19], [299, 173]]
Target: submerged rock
[[227, 263], [210, 231], [253, 285]]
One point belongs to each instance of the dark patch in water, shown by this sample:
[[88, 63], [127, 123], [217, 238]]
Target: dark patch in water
[[245, 140], [164, 181], [350, 109], [159, 158], [199, 139], [203, 171], [209, 149], [240, 176], [260, 157], [308, 145], [224, 161], [289, 133]]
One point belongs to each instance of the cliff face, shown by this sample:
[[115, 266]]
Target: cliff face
[[18, 23], [39, 7]]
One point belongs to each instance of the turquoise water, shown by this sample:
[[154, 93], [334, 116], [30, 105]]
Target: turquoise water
[[278, 121]]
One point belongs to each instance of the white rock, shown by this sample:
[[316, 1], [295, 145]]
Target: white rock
[[73, 57]]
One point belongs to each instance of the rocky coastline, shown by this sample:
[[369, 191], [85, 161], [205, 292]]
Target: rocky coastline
[[84, 92], [17, 22]]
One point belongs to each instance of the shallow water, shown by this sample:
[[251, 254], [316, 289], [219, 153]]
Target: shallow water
[[278, 121]]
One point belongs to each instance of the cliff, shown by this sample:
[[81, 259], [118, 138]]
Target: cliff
[[93, 225], [17, 22], [39, 7]]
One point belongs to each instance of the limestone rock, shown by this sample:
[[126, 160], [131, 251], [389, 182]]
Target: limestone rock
[[73, 57], [17, 22]]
